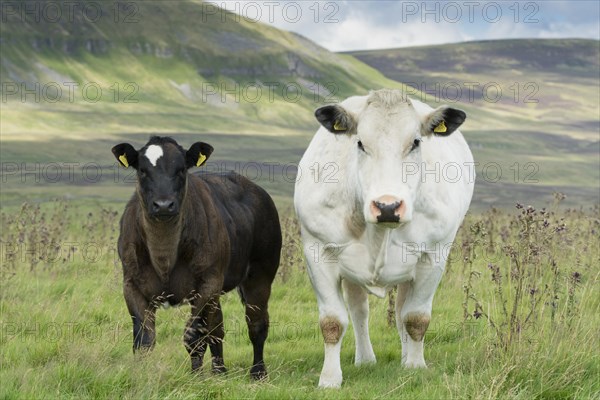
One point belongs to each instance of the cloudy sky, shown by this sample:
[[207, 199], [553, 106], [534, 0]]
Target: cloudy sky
[[358, 24]]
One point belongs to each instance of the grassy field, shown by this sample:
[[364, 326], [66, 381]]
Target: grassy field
[[516, 316]]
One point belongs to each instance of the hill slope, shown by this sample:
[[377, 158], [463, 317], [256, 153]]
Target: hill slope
[[165, 67]]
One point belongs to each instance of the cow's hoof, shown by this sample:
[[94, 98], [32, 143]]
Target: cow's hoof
[[258, 372], [365, 360], [330, 382], [415, 364]]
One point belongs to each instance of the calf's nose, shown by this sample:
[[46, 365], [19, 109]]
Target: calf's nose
[[163, 206], [388, 209]]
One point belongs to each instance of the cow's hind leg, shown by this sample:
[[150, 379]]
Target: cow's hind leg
[[357, 299], [255, 292]]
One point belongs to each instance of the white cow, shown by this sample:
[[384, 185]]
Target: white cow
[[385, 183]]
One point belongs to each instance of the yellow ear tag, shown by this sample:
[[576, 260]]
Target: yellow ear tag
[[123, 160], [338, 127], [201, 159], [441, 128]]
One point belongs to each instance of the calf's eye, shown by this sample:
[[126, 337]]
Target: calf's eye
[[360, 146]]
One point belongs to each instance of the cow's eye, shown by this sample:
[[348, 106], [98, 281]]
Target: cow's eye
[[415, 144], [360, 146], [181, 172], [143, 173]]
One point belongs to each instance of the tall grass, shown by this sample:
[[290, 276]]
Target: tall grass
[[516, 316]]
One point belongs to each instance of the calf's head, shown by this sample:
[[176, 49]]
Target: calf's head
[[161, 167], [385, 155]]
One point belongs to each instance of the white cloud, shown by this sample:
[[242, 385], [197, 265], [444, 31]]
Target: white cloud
[[359, 33]]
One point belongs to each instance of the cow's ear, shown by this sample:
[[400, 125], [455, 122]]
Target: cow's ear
[[126, 155], [197, 155], [335, 119], [443, 121]]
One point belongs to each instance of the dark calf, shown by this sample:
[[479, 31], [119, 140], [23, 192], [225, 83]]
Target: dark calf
[[189, 238]]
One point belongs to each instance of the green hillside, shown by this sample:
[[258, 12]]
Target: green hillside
[[166, 67]]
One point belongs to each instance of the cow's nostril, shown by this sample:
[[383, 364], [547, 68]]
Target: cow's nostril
[[375, 208], [388, 211], [163, 205], [401, 209]]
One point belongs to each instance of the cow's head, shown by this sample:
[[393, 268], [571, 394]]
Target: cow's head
[[386, 156], [161, 167]]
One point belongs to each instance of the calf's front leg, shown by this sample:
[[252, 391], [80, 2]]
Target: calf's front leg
[[142, 314], [205, 327]]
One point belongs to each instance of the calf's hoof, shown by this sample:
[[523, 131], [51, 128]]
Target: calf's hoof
[[196, 364], [142, 349], [258, 372], [218, 366]]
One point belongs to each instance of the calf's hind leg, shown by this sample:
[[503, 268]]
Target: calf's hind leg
[[255, 295]]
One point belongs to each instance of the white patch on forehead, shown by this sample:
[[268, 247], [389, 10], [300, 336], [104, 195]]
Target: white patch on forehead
[[153, 153]]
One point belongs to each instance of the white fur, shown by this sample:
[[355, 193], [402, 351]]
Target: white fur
[[153, 153], [414, 253]]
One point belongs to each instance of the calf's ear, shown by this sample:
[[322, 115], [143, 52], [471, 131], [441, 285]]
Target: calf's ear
[[443, 121], [197, 155], [126, 155], [336, 119]]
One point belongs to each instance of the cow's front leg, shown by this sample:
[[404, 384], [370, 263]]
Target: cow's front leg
[[333, 321], [357, 299], [142, 314], [413, 310], [333, 318]]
